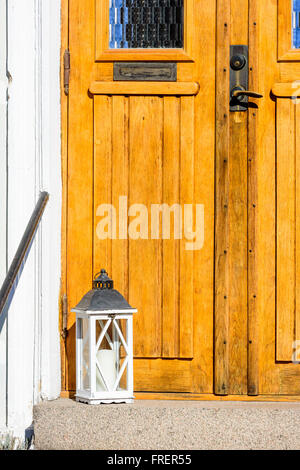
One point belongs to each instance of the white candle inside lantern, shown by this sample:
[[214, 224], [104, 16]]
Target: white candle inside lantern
[[107, 362]]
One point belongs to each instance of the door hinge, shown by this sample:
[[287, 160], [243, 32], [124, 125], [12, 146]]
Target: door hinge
[[67, 68], [64, 331]]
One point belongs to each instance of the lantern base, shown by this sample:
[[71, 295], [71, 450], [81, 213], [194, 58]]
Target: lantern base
[[99, 401]]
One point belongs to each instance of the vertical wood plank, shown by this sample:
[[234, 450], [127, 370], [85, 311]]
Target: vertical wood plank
[[237, 254], [171, 168], [186, 257], [80, 169], [284, 28], [102, 179], [145, 255], [221, 382], [285, 229], [268, 73], [120, 189], [297, 241], [237, 219], [204, 72], [253, 144]]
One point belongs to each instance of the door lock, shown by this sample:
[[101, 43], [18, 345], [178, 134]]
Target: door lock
[[238, 61], [239, 78]]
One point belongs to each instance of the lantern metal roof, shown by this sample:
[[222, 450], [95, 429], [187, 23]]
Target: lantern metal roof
[[103, 298]]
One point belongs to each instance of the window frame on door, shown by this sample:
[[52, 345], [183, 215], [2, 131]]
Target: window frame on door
[[104, 54], [286, 52]]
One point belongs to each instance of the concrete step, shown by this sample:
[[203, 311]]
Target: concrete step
[[169, 425]]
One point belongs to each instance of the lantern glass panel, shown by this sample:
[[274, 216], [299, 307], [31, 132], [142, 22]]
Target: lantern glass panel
[[84, 354], [111, 355]]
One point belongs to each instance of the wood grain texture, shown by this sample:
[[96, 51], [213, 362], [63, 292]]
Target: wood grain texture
[[237, 254], [160, 375], [186, 261], [285, 229], [216, 398], [297, 235], [202, 370], [253, 155], [205, 397], [144, 88], [135, 127], [171, 247], [268, 73], [289, 72], [290, 381], [286, 90], [221, 291], [102, 176], [145, 180], [237, 220], [80, 169], [120, 187]]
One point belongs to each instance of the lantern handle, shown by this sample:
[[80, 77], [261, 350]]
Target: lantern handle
[[102, 280], [100, 272]]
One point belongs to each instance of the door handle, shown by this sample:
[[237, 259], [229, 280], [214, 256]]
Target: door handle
[[251, 94]]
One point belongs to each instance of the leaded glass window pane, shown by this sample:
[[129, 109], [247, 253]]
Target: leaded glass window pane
[[296, 24], [146, 24]]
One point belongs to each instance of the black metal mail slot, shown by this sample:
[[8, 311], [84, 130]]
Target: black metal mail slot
[[145, 71]]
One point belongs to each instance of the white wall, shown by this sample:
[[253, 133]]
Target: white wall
[[3, 191], [33, 158]]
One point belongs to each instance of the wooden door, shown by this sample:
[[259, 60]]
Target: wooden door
[[278, 214], [146, 143], [257, 205], [223, 319]]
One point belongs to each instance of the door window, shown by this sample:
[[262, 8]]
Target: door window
[[296, 24], [146, 24]]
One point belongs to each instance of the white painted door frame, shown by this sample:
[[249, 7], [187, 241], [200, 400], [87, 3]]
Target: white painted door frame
[[31, 162], [3, 201]]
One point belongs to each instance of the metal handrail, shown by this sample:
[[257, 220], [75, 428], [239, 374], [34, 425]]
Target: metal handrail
[[16, 267]]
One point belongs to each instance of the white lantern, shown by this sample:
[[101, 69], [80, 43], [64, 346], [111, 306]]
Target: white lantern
[[104, 345]]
